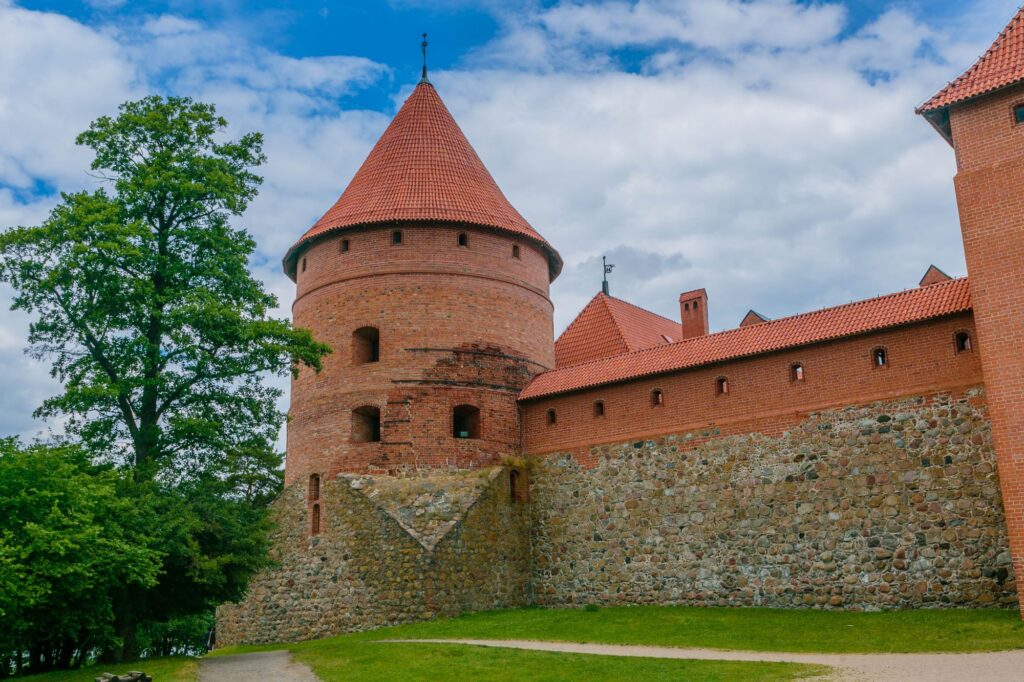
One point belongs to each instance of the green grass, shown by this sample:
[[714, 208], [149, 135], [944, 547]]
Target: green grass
[[176, 669]]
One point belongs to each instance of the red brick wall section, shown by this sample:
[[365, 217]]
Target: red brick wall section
[[990, 194], [762, 396], [458, 325]]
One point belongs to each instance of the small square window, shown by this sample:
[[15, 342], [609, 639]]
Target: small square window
[[344, 246], [1018, 113], [396, 237]]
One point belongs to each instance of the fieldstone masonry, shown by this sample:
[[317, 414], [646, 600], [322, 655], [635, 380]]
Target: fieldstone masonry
[[890, 505]]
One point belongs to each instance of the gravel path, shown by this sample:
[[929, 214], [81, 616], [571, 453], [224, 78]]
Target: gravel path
[[276, 666], [982, 667]]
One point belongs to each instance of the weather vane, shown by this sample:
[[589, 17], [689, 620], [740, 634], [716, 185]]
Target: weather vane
[[607, 271], [423, 46]]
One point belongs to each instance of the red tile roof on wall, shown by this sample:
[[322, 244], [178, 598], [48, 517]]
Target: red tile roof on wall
[[1000, 66], [905, 307], [610, 326], [423, 169]]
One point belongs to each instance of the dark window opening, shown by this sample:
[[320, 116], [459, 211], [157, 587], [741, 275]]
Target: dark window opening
[[1018, 113], [466, 421], [314, 520], [963, 342], [686, 307], [722, 386], [314, 487], [303, 264], [344, 246], [796, 372], [463, 239], [515, 251], [396, 237], [552, 417], [518, 486], [366, 424], [599, 408], [365, 345], [657, 398], [879, 357], [696, 304]]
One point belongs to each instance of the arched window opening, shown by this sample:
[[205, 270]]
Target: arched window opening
[[466, 421], [963, 342], [303, 264], [365, 345], [722, 386], [599, 408], [314, 487], [515, 250], [686, 307], [696, 304], [314, 520], [796, 372], [366, 424], [657, 398], [396, 237], [344, 246], [879, 358], [552, 417], [463, 239]]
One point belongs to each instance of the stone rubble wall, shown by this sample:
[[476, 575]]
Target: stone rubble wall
[[366, 570], [892, 505]]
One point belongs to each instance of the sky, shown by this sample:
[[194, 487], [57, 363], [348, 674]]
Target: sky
[[766, 150]]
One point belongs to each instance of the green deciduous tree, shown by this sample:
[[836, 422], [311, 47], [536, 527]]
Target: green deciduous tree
[[162, 338]]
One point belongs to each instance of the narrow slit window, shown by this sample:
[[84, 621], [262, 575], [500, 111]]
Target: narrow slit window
[[314, 520], [657, 398], [303, 264], [314, 487], [466, 421], [796, 372], [396, 237], [513, 485], [722, 386], [366, 424], [463, 239], [344, 246], [879, 358], [515, 250], [963, 342], [365, 345], [552, 417], [599, 408]]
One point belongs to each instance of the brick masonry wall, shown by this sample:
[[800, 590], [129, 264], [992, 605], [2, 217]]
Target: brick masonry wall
[[990, 194], [889, 505], [391, 550], [458, 325], [922, 358]]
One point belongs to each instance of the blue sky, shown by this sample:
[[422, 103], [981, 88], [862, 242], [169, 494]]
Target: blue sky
[[764, 149]]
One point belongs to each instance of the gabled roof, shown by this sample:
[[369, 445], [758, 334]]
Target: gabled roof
[[905, 307], [423, 169], [752, 317], [610, 326], [1002, 65], [933, 275]]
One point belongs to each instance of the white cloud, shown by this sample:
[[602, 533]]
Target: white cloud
[[754, 152]]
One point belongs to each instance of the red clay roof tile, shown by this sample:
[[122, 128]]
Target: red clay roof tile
[[913, 305], [423, 169], [610, 326], [1000, 66]]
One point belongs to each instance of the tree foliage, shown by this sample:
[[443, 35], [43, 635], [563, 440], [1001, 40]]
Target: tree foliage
[[162, 338]]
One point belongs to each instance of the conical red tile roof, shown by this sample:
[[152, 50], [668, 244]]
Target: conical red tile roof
[[423, 169], [1001, 65]]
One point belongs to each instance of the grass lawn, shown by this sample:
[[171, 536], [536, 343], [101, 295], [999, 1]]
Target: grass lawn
[[177, 669]]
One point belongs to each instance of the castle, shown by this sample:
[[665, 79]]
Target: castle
[[452, 456]]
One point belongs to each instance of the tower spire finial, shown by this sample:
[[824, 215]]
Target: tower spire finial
[[607, 270], [423, 46]]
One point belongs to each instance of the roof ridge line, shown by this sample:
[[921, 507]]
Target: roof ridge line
[[615, 321], [760, 327], [641, 308]]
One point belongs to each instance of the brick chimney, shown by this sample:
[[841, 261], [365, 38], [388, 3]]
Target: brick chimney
[[693, 309]]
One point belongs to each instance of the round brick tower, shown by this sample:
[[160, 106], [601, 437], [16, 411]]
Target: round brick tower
[[432, 291]]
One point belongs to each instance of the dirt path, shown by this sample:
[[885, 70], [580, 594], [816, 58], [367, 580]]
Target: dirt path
[[277, 666], [983, 667]]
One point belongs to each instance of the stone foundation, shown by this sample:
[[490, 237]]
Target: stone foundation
[[892, 505], [391, 550]]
